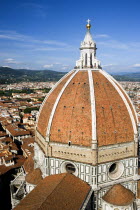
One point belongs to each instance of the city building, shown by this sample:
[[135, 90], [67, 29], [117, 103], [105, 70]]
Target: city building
[[87, 127]]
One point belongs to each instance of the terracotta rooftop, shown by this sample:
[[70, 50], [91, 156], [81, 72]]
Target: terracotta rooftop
[[4, 121], [10, 157], [6, 147], [28, 145], [15, 131], [2, 133], [72, 119], [2, 154], [34, 177], [6, 139], [28, 140], [118, 195], [29, 164], [19, 162], [61, 191], [13, 146]]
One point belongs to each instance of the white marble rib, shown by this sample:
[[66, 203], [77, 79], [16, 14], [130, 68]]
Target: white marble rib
[[93, 110]]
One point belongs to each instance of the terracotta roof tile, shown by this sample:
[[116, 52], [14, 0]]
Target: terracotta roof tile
[[15, 131], [28, 140], [113, 120], [47, 108], [19, 162], [2, 133], [6, 139], [118, 195], [13, 146], [61, 191], [10, 157], [72, 118], [28, 145], [29, 164], [34, 177]]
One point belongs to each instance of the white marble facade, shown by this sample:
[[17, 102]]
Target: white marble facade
[[107, 206], [99, 177]]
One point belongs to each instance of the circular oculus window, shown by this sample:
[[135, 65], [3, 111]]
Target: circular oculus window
[[69, 168], [116, 170]]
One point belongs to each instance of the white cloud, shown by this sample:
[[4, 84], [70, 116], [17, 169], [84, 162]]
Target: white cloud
[[32, 44], [48, 66], [136, 65], [101, 36], [57, 63], [106, 55], [47, 49], [11, 61], [106, 65], [53, 42], [6, 66], [65, 67], [12, 35], [58, 66], [114, 44]]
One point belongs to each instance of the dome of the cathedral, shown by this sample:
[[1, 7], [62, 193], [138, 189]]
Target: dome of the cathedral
[[86, 106]]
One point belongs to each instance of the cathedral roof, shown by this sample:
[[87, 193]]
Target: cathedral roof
[[118, 195], [61, 191], [29, 164], [34, 177], [85, 106]]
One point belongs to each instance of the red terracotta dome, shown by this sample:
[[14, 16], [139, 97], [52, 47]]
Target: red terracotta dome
[[120, 196], [87, 106]]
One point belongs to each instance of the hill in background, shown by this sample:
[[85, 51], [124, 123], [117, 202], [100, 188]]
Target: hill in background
[[134, 77], [9, 75]]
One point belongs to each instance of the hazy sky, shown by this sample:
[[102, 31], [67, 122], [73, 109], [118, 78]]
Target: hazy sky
[[46, 34]]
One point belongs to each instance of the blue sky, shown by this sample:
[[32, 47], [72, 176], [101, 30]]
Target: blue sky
[[46, 34]]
